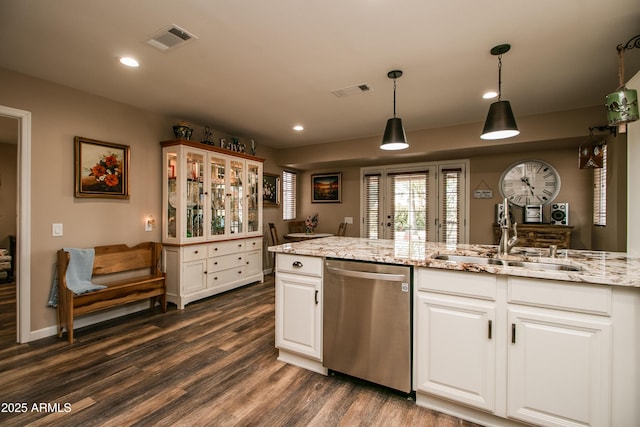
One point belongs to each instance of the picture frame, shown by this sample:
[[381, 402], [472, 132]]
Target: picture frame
[[326, 188], [101, 169], [270, 190]]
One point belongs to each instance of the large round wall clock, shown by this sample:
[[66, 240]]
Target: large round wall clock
[[530, 182]]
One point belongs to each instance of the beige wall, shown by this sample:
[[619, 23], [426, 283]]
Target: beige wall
[[8, 190]]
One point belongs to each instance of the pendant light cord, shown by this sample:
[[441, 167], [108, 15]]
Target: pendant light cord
[[394, 98], [499, 77], [621, 68]]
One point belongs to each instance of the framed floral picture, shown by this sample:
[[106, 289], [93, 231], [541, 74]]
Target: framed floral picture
[[270, 190], [326, 188], [101, 169]]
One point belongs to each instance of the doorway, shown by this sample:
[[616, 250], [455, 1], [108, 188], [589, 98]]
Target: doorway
[[8, 228], [22, 269]]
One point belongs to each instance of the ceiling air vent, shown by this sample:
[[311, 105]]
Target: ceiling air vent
[[169, 37], [351, 90]]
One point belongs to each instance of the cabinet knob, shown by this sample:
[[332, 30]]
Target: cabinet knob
[[297, 264], [239, 257], [195, 252]]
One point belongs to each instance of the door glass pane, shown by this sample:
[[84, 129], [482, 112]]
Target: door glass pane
[[408, 212], [252, 200], [195, 194], [171, 194], [217, 196], [236, 204]]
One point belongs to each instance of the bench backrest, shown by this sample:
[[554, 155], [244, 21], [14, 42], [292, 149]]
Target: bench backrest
[[119, 258]]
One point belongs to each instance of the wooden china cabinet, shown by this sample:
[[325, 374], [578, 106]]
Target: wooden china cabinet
[[211, 220]]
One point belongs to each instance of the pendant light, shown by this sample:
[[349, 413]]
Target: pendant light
[[394, 137], [500, 122], [622, 105]]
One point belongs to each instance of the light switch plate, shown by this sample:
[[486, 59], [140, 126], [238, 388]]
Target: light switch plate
[[348, 220], [56, 230]]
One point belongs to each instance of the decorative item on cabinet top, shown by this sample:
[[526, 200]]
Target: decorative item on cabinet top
[[208, 147]]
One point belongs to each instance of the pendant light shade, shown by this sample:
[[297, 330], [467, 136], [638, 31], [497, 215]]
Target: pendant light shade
[[622, 105], [500, 121], [394, 137]]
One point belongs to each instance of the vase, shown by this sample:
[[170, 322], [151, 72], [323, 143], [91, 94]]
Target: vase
[[309, 230]]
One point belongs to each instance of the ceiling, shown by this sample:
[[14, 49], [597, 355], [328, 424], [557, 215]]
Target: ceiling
[[259, 67]]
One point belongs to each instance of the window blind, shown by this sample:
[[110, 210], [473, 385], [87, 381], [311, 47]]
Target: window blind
[[371, 206], [600, 191], [450, 206], [289, 195]]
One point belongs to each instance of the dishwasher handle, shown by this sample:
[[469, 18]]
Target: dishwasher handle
[[368, 275]]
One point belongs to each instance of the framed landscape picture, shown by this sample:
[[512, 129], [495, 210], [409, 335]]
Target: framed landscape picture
[[270, 190], [326, 188], [101, 169]]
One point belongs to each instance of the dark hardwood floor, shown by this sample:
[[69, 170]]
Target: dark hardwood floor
[[212, 364]]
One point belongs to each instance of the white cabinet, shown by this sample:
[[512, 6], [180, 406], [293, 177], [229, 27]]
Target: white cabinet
[[199, 271], [559, 353], [211, 221], [456, 352], [299, 311], [518, 349], [558, 368], [209, 193]]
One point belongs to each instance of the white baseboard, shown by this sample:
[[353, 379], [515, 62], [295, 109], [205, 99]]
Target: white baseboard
[[91, 319]]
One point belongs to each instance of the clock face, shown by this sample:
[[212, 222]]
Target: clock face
[[530, 182]]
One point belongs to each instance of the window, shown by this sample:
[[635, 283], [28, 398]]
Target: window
[[421, 201], [600, 191], [288, 195]]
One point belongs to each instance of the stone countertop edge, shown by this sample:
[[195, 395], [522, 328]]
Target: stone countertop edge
[[596, 267]]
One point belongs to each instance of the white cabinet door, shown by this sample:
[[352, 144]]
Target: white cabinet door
[[299, 314], [456, 350], [194, 276], [559, 368]]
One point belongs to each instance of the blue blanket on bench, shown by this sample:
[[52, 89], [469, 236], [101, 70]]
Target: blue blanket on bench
[[78, 274]]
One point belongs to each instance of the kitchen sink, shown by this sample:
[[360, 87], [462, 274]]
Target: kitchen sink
[[543, 266], [471, 259]]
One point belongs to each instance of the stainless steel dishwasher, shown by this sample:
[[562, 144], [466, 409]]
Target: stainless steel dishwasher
[[367, 321]]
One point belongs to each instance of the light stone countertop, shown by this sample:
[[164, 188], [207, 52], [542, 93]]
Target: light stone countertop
[[605, 268]]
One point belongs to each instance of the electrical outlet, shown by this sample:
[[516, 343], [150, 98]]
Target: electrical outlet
[[56, 230], [348, 220]]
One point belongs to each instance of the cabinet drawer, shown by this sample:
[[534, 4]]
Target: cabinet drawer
[[253, 244], [461, 283], [221, 278], [585, 298], [195, 252], [225, 261], [299, 264], [225, 248]]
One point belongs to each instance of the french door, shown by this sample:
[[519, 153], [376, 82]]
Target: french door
[[424, 202]]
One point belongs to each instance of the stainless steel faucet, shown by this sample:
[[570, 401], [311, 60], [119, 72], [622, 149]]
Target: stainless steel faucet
[[507, 243]]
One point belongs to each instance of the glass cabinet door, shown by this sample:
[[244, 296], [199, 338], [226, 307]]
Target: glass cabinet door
[[218, 195], [235, 200], [253, 192], [194, 194], [172, 200]]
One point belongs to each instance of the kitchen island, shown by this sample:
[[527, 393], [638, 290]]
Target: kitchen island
[[529, 339]]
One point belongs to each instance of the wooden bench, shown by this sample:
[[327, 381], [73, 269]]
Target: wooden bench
[[110, 260]]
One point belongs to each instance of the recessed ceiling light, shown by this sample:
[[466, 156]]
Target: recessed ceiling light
[[129, 62], [298, 128], [489, 95]]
